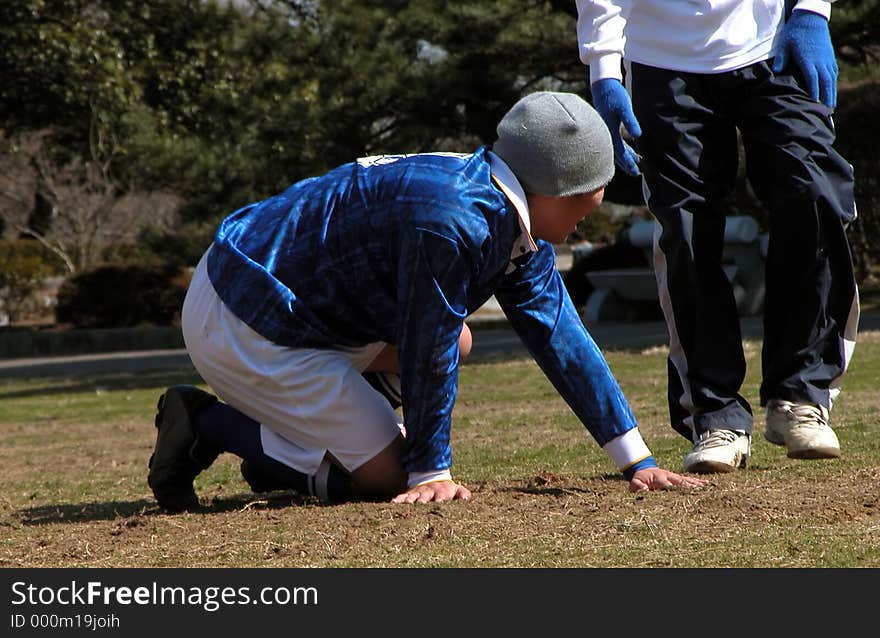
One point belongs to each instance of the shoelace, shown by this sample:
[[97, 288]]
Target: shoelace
[[717, 438], [808, 416]]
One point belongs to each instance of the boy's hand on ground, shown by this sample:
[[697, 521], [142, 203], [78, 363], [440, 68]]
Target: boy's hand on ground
[[653, 478], [435, 491]]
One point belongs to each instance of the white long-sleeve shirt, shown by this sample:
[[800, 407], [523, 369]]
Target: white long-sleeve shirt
[[697, 36]]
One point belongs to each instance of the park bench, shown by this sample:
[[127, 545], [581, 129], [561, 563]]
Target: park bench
[[622, 294]]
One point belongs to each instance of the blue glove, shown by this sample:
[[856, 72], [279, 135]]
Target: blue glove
[[806, 39], [612, 103]]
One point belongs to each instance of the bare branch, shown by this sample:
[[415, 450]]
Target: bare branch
[[90, 212]]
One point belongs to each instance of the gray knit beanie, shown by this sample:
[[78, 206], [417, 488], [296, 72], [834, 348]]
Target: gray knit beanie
[[556, 145]]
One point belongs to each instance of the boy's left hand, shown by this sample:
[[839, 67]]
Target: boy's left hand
[[654, 478]]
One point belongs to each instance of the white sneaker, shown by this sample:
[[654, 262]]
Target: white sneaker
[[802, 428], [718, 451]]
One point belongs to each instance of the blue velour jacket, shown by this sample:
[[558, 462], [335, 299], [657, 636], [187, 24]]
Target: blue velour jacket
[[401, 249]]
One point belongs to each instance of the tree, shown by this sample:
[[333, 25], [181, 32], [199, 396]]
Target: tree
[[858, 136], [89, 209], [855, 31], [60, 68], [224, 103], [23, 268]]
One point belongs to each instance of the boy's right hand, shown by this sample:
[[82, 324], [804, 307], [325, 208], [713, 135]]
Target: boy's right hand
[[613, 104], [435, 491], [655, 478]]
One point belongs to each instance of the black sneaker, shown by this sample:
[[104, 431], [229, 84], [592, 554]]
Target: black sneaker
[[178, 456], [260, 480]]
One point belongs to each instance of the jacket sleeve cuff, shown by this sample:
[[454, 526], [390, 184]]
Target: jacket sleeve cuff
[[607, 66], [630, 471], [420, 478], [821, 7], [627, 449]]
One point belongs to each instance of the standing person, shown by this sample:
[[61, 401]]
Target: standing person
[[308, 304], [695, 73]]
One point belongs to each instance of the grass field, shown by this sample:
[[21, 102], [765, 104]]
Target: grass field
[[73, 455]]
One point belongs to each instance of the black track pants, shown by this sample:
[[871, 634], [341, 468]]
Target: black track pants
[[689, 151]]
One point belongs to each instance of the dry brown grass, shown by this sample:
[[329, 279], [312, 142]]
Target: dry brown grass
[[73, 455]]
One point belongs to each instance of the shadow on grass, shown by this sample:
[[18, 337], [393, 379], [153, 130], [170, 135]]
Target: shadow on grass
[[107, 382], [128, 510]]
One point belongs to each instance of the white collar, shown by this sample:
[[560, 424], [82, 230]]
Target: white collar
[[510, 186]]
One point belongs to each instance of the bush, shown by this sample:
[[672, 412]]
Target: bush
[[24, 265], [116, 296], [858, 137]]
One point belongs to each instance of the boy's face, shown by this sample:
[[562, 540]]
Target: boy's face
[[555, 218]]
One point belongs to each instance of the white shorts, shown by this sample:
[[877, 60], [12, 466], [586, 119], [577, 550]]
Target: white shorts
[[308, 401]]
